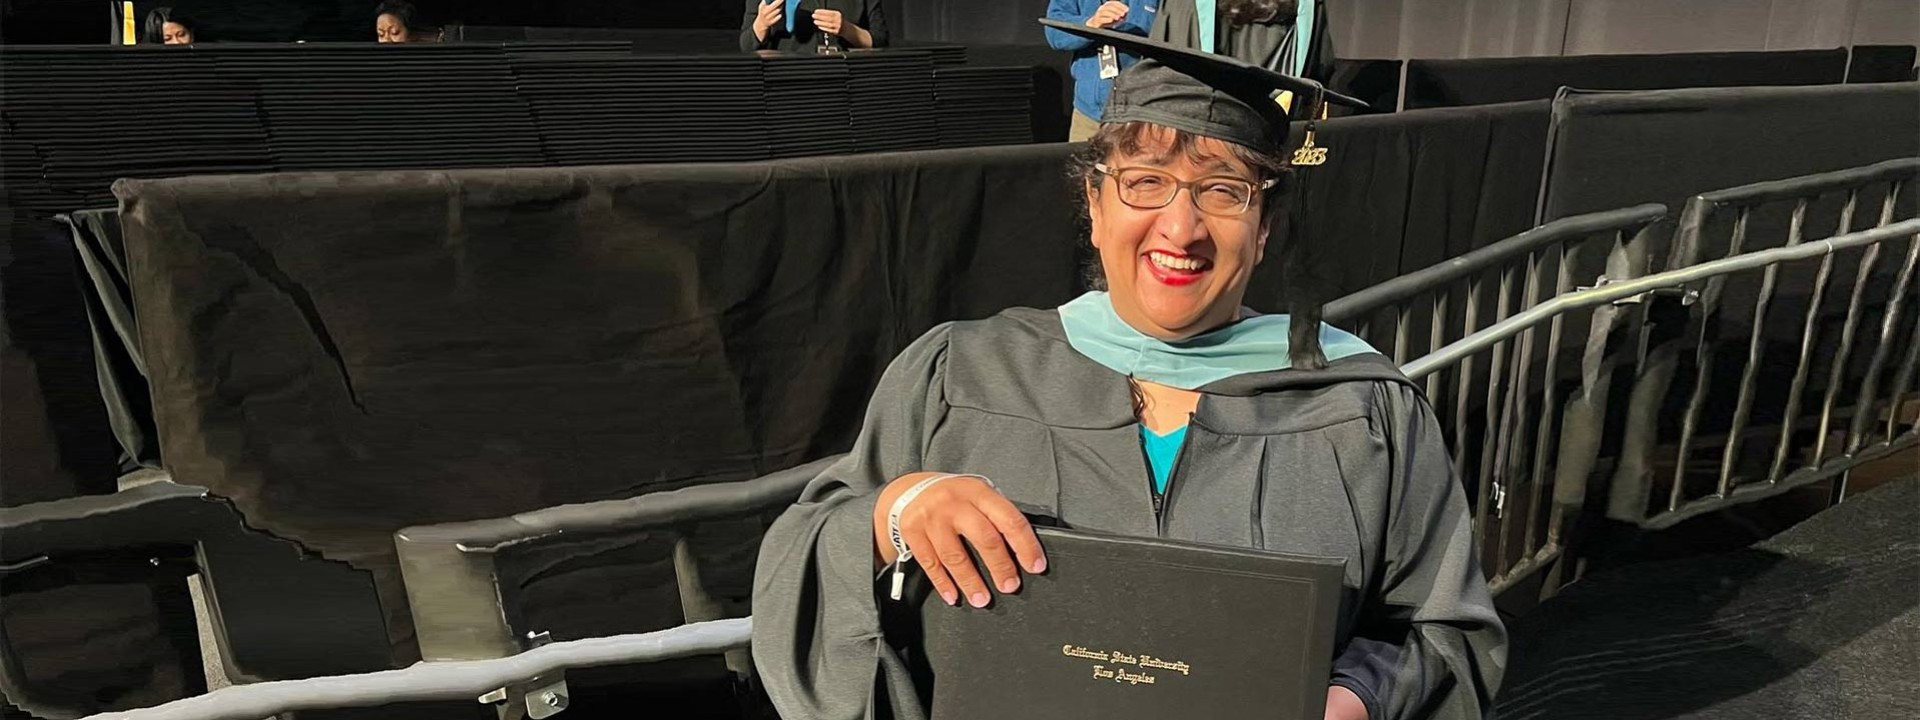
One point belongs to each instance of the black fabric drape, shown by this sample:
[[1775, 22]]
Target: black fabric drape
[[55, 438], [347, 354], [1881, 63], [1403, 191], [1375, 81], [1481, 81], [116, 345], [1613, 150]]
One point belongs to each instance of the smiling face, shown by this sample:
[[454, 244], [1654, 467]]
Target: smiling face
[[1175, 272]]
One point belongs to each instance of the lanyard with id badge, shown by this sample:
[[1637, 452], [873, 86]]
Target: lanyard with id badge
[[1109, 62]]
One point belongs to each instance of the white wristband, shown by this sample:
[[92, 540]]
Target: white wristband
[[902, 553]]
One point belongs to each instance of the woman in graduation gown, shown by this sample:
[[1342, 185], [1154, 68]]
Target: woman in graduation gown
[[1266, 33], [1159, 407], [799, 25]]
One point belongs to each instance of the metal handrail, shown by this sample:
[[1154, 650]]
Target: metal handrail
[[450, 574], [1609, 293], [688, 504], [1702, 208], [1453, 270], [1663, 357], [1797, 187], [457, 680]]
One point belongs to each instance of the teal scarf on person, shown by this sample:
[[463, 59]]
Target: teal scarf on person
[[793, 8], [1302, 37], [1208, 11], [1254, 344]]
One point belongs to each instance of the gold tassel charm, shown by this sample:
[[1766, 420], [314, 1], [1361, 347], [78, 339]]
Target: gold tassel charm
[[1309, 154]]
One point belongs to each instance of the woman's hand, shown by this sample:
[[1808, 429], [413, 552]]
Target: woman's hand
[[1110, 12], [1342, 704], [946, 517], [771, 12], [831, 22], [834, 22]]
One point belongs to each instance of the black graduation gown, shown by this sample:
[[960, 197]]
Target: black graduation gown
[[805, 37], [1178, 23], [1345, 462]]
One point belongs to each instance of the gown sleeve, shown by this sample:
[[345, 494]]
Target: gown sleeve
[[874, 20], [1430, 645], [748, 41], [817, 642]]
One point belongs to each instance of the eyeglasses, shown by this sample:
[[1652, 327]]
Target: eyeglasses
[[1150, 189]]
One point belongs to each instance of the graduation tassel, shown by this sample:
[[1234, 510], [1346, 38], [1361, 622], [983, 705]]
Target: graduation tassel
[[1309, 154], [1302, 283]]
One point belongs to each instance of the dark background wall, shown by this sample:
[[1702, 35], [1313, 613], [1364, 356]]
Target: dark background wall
[[86, 21], [1361, 28]]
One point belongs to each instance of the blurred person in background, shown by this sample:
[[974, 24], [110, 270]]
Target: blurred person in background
[[164, 26], [1095, 65], [396, 21], [800, 24], [1287, 36]]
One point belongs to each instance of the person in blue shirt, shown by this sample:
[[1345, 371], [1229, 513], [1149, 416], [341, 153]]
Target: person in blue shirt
[[1134, 17]]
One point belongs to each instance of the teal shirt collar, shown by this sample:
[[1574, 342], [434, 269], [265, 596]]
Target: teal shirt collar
[[1255, 344]]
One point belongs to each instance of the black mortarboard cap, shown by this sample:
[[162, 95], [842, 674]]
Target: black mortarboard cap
[[1202, 93]]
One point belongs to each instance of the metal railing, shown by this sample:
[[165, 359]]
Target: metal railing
[[1514, 277], [450, 680], [464, 625], [1635, 485], [461, 613], [1514, 548], [1554, 245]]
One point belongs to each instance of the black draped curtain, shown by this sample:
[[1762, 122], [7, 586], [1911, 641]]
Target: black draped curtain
[[971, 22]]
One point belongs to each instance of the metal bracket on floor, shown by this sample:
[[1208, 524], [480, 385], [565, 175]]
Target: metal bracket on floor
[[541, 697]]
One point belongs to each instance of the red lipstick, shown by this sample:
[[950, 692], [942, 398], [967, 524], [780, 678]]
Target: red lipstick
[[1177, 270]]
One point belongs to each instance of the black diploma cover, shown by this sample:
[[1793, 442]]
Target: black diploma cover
[[1121, 628]]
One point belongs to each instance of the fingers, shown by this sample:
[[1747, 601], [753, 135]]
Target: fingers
[[948, 525], [827, 20], [1016, 531], [953, 556], [928, 559], [992, 548]]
